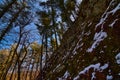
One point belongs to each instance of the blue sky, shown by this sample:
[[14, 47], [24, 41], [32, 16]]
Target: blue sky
[[13, 36]]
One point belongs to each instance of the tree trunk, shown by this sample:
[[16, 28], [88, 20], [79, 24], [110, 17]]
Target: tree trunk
[[27, 71], [13, 71], [56, 39], [41, 71], [19, 72], [46, 47], [31, 72]]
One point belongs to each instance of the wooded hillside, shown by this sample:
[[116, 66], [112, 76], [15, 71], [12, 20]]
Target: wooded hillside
[[60, 40]]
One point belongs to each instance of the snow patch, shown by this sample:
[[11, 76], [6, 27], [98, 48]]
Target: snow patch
[[57, 67], [78, 45], [66, 74], [93, 76], [104, 67], [87, 33], [72, 18], [96, 67], [118, 58], [98, 37], [76, 78], [119, 74], [109, 77], [115, 9], [107, 13], [112, 24], [78, 2]]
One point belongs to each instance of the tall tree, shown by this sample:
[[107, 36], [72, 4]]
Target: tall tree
[[7, 4]]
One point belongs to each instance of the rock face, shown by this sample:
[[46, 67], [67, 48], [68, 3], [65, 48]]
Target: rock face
[[91, 46]]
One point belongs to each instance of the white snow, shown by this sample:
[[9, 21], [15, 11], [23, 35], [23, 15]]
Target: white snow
[[88, 33], [77, 9], [98, 37], [118, 58], [74, 52], [112, 24], [101, 22], [90, 24], [57, 67], [72, 18], [77, 46], [66, 74], [93, 76], [109, 77], [105, 15], [60, 79], [96, 67], [101, 51], [109, 71], [115, 9], [104, 67], [119, 74], [76, 78], [78, 2]]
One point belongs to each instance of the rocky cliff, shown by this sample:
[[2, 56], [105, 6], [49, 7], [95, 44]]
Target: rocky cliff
[[90, 49]]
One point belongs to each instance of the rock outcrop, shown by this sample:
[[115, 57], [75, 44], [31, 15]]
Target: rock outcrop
[[90, 49]]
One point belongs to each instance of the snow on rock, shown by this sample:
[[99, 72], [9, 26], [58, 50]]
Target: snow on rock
[[78, 1], [112, 24], [118, 58], [102, 35], [57, 67], [72, 18], [105, 15], [109, 77], [115, 9], [104, 67], [78, 45], [119, 74], [93, 76], [76, 78], [66, 74], [98, 37], [96, 67]]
